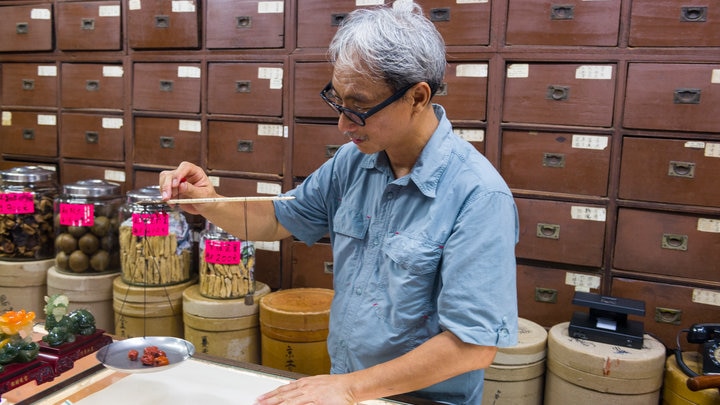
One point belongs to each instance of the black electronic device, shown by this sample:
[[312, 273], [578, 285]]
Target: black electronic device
[[707, 334], [607, 320]]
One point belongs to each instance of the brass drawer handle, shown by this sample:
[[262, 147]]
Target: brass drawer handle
[[557, 93], [668, 315], [243, 21], [162, 21], [681, 169], [87, 24], [92, 85], [28, 134], [22, 28], [28, 84], [328, 267], [242, 86], [548, 231], [167, 142], [554, 159], [330, 150], [336, 19], [686, 96], [562, 12], [674, 241], [245, 146], [91, 137], [440, 14], [693, 14], [547, 295], [442, 90], [166, 85]]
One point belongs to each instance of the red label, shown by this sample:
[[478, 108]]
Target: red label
[[157, 224], [17, 203], [77, 214], [223, 252]]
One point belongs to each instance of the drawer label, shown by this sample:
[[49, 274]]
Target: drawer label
[[268, 188], [50, 71], [40, 14], [192, 72], [470, 1], [6, 118], [271, 7], [715, 78], [708, 225], [46, 119], [189, 125], [113, 71], [587, 213], [275, 75], [470, 135], [115, 175], [77, 214], [582, 282], [109, 11], [112, 123], [518, 71], [695, 145], [183, 6], [270, 130], [269, 246], [360, 3], [712, 149], [472, 70], [590, 142], [594, 72], [134, 5], [708, 297]]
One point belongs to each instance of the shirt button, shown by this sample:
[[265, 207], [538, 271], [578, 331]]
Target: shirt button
[[358, 291]]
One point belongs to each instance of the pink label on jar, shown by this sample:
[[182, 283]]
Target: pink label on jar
[[222, 252], [77, 214], [157, 224], [17, 203]]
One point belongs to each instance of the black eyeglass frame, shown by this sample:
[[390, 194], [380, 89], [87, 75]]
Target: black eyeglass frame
[[361, 117]]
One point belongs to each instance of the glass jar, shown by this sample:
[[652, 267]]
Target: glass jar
[[26, 213], [155, 241], [227, 264], [86, 227]]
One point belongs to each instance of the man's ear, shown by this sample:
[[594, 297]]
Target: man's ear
[[421, 95]]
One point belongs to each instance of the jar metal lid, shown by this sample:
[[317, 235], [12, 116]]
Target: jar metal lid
[[27, 174], [92, 188], [150, 194]]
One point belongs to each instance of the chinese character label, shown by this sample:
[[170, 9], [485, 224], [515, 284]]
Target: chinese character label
[[77, 214], [157, 224]]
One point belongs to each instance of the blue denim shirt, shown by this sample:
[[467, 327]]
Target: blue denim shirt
[[414, 256]]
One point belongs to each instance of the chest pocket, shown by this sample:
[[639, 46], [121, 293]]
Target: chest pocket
[[418, 256], [350, 222]]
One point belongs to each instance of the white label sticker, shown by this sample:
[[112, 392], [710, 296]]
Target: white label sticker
[[472, 70], [46, 119], [587, 213], [270, 73], [6, 118], [269, 130], [708, 297], [712, 149], [112, 122], [715, 77], [214, 180], [51, 168], [708, 225], [183, 6], [269, 246], [115, 175], [190, 125], [594, 142], [275, 84], [582, 280], [189, 71], [695, 145], [134, 5], [113, 71], [518, 71], [271, 7], [268, 188], [470, 1], [594, 72], [47, 71], [40, 14], [109, 11], [360, 3], [470, 135]]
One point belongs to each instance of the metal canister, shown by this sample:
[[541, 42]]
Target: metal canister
[[27, 194]]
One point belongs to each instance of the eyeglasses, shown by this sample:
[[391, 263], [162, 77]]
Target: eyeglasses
[[355, 116]]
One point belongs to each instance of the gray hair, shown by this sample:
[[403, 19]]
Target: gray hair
[[398, 45]]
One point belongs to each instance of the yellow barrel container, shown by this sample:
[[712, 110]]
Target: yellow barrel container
[[226, 328], [93, 292], [517, 375], [294, 329], [588, 372], [148, 311], [675, 390], [23, 285]]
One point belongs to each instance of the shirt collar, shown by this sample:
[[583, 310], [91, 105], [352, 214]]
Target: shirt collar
[[433, 159]]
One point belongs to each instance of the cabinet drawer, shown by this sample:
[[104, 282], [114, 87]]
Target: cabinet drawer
[[556, 162], [670, 170], [678, 97], [313, 145], [29, 133], [318, 20], [670, 244], [29, 84], [87, 136], [569, 23], [26, 28], [245, 88], [245, 24], [73, 172], [464, 91], [166, 141], [559, 93], [674, 23], [88, 85], [310, 79], [312, 266], [89, 26], [459, 23], [668, 307], [167, 87], [163, 24], [246, 147], [561, 232], [545, 294]]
